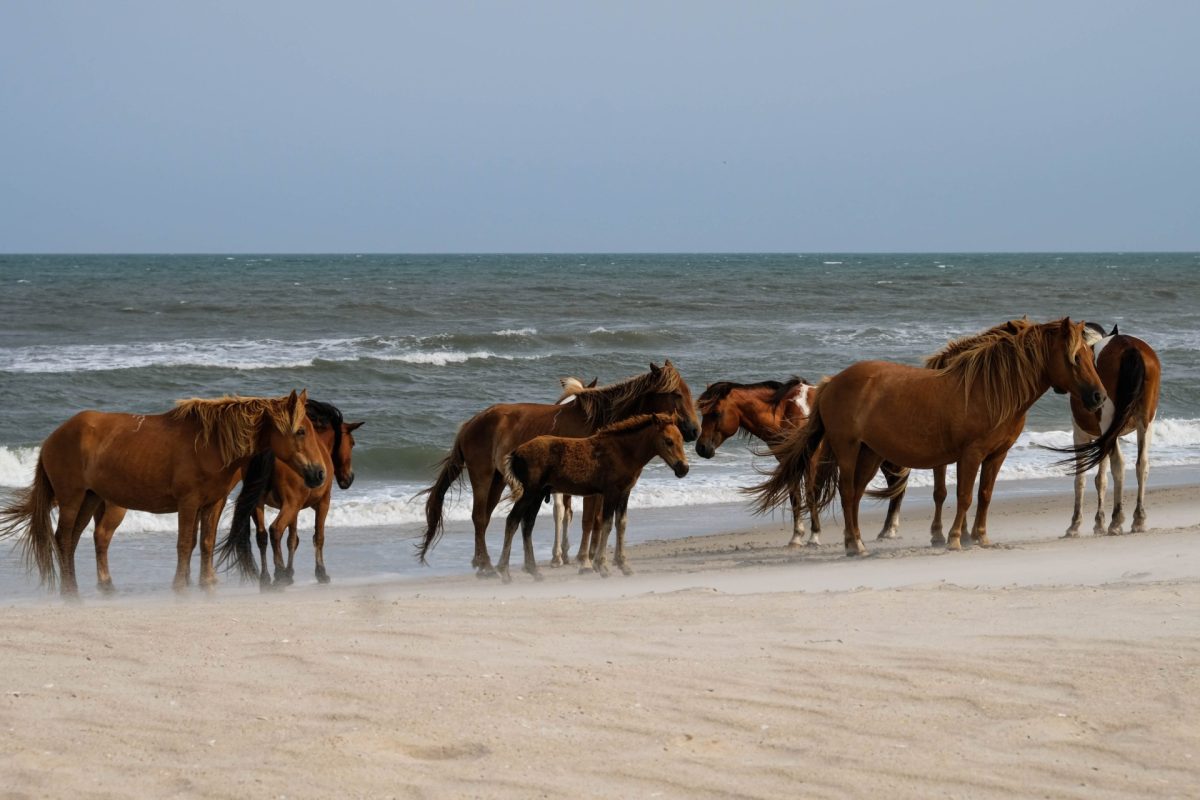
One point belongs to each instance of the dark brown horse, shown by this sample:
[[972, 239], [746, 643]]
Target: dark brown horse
[[969, 412], [184, 461], [769, 410], [606, 464], [484, 440], [279, 486], [1130, 371]]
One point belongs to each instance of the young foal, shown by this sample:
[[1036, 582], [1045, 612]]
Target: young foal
[[769, 410], [1130, 371], [607, 463]]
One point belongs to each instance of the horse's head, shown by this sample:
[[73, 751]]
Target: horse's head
[[1070, 367], [294, 441], [343, 469], [669, 444], [719, 418], [677, 400]]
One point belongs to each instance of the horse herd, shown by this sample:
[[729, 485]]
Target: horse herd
[[965, 406]]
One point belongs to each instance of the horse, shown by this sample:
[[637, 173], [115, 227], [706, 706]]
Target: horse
[[280, 487], [768, 410], [608, 464], [183, 461], [1130, 371], [969, 411], [485, 439]]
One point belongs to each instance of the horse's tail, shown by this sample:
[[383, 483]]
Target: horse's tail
[[449, 473], [1131, 391], [894, 490], [235, 547], [515, 473], [799, 465], [30, 509]]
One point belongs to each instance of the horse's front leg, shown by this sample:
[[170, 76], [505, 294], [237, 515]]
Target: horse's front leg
[[600, 559], [260, 533], [107, 520], [510, 528], [484, 504], [936, 537], [622, 517], [798, 533], [891, 524], [1143, 474], [1118, 475], [968, 468], [592, 512], [1098, 528], [189, 518], [319, 539], [283, 522], [987, 480], [562, 519], [210, 517]]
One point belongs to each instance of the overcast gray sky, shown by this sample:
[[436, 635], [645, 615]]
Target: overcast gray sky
[[607, 126]]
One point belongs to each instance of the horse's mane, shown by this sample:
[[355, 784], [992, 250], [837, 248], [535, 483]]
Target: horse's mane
[[718, 391], [234, 422], [1003, 362], [604, 405], [636, 423], [328, 415]]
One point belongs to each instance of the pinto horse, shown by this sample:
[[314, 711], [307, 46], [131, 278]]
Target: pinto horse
[[968, 412], [184, 461], [1130, 371], [484, 440], [768, 410], [279, 486], [606, 464]]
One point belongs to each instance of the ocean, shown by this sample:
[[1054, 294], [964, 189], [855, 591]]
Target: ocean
[[413, 345]]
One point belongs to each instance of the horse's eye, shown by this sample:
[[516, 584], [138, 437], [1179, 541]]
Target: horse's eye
[[299, 431]]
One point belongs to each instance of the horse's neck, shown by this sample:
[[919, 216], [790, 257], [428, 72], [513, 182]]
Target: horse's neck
[[637, 445], [759, 418]]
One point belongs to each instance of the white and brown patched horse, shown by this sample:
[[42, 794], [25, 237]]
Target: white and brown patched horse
[[769, 410], [1130, 371]]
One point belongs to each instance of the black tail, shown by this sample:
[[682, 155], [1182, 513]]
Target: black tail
[[1131, 390], [802, 462], [449, 473], [235, 547]]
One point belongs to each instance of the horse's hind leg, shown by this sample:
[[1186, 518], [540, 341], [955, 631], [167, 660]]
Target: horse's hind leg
[[485, 500], [261, 535], [510, 528], [891, 524], [1098, 528], [319, 540], [1078, 436], [562, 522], [108, 517], [797, 540], [855, 472], [1143, 474], [189, 518], [210, 517], [936, 537], [527, 521], [72, 519], [600, 560], [1118, 476], [286, 521], [593, 512]]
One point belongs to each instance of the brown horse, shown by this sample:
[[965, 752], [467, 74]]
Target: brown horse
[[1130, 371], [484, 440], [769, 410], [281, 487], [969, 412], [606, 464], [184, 461]]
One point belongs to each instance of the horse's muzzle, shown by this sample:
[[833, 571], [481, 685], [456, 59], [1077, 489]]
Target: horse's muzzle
[[690, 432], [314, 476], [681, 468], [705, 450], [344, 483], [1093, 399]]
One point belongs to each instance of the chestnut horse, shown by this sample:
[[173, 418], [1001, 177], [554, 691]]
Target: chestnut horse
[[606, 464], [768, 410], [281, 487], [1130, 371], [484, 440], [184, 461], [968, 412]]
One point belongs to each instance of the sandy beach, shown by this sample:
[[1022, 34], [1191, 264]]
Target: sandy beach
[[727, 666]]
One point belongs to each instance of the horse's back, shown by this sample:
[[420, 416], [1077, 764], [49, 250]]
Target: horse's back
[[499, 429], [1108, 365]]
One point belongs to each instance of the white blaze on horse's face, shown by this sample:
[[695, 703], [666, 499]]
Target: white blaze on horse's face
[[803, 400]]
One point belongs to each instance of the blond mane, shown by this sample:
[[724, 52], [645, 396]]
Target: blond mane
[[1004, 363], [604, 405], [234, 422]]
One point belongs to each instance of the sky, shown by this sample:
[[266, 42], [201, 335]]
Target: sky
[[1056, 125]]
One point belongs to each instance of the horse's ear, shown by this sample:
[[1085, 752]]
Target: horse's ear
[[654, 368], [668, 363], [353, 426], [1066, 326], [592, 385], [1114, 331], [1010, 327]]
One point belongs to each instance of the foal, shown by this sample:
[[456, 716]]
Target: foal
[[608, 464]]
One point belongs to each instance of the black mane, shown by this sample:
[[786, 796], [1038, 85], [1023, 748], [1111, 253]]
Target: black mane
[[329, 415]]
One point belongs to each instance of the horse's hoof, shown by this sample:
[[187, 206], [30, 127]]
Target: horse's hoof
[[954, 544], [538, 577], [1115, 530], [106, 588], [283, 579], [1072, 533], [983, 541], [557, 561], [486, 572], [937, 541], [626, 569], [1139, 526], [505, 577], [322, 576], [603, 570]]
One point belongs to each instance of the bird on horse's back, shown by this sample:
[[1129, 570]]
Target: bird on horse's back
[[487, 438]]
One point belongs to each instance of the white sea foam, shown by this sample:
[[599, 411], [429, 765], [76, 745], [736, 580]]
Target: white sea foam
[[515, 332]]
